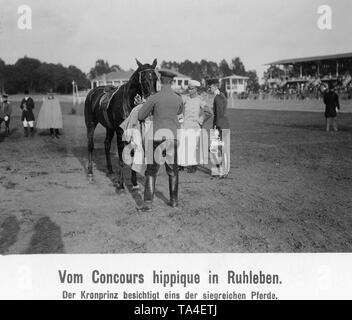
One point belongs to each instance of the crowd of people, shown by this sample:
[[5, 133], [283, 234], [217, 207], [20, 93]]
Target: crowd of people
[[49, 116], [170, 110], [185, 115]]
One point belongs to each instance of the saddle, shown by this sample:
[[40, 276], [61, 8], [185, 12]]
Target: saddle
[[106, 97], [104, 103]]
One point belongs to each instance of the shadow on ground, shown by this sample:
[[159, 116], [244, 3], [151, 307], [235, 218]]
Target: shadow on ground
[[46, 238], [99, 161], [9, 230]]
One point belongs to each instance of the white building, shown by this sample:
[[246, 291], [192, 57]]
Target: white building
[[235, 84], [180, 81], [115, 78]]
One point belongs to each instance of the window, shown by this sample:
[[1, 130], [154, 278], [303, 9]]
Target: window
[[240, 81], [186, 82], [179, 82], [234, 81]]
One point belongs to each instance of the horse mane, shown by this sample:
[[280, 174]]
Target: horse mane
[[126, 99]]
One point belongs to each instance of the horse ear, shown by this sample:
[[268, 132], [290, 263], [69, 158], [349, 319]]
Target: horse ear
[[155, 62], [140, 65]]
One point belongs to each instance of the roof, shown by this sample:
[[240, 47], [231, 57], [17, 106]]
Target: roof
[[311, 59], [116, 75], [178, 75], [235, 76]]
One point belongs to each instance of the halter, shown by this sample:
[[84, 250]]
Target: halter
[[125, 103], [140, 78]]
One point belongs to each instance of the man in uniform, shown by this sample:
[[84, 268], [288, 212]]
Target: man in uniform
[[5, 113], [27, 106], [220, 122], [165, 107]]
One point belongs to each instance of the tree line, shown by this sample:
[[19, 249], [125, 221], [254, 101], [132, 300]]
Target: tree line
[[210, 69], [36, 76], [196, 70]]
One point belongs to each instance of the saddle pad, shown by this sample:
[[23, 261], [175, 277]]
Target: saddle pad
[[105, 101]]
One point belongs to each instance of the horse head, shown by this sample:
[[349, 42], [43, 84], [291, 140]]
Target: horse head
[[146, 78]]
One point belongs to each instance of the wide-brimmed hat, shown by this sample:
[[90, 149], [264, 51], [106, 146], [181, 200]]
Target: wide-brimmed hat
[[194, 84]]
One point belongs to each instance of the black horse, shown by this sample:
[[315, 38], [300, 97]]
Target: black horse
[[142, 82]]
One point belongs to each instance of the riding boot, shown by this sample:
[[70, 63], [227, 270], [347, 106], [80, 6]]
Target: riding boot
[[7, 131], [173, 189], [52, 132], [148, 193], [57, 133], [32, 131], [25, 131]]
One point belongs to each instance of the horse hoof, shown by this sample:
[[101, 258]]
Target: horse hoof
[[120, 186]]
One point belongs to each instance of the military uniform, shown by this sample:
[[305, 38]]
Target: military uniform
[[5, 114], [164, 106]]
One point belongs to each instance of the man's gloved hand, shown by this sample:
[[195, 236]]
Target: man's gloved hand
[[138, 100]]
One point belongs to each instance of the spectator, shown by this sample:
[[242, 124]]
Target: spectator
[[50, 116], [27, 118], [332, 105], [5, 113]]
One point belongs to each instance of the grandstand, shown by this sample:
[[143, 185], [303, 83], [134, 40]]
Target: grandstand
[[301, 75]]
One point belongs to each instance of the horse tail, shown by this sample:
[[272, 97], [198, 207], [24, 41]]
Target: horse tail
[[89, 108]]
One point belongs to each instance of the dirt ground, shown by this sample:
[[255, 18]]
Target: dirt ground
[[289, 190]]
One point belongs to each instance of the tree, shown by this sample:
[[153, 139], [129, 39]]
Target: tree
[[100, 68], [25, 73], [2, 75], [253, 81], [116, 67], [238, 67], [224, 68], [273, 72]]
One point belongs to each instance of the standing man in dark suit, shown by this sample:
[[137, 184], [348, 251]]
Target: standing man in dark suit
[[27, 106], [221, 123], [165, 107], [331, 100], [5, 113]]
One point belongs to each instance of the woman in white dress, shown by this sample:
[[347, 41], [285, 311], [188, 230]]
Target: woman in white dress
[[195, 113], [50, 115]]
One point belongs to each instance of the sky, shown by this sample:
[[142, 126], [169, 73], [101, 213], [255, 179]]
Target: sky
[[78, 32]]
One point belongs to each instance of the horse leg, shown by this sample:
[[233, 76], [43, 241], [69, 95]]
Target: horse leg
[[90, 134], [120, 146], [135, 185], [107, 143]]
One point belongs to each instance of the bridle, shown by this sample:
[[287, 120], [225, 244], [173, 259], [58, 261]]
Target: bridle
[[140, 79], [125, 104]]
